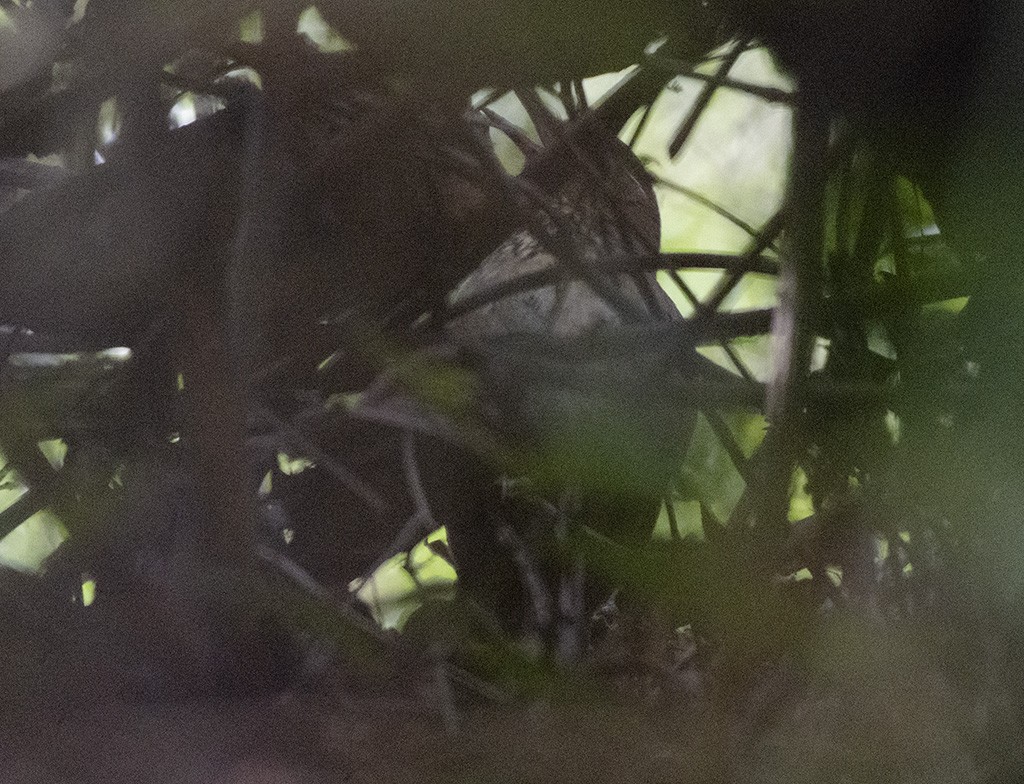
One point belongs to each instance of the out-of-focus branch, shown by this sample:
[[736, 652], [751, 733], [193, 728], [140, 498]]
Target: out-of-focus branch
[[800, 299]]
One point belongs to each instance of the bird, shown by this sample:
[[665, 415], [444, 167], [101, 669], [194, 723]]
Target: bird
[[580, 430]]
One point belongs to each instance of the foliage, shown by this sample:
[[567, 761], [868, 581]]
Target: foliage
[[698, 379]]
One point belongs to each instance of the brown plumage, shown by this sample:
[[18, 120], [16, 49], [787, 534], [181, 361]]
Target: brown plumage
[[595, 426]]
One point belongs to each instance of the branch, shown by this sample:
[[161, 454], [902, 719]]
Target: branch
[[800, 292]]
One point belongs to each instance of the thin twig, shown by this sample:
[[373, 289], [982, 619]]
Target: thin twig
[[293, 571], [316, 602], [673, 521], [529, 571], [445, 696], [547, 125], [639, 87], [298, 440], [565, 96], [647, 337], [685, 71], [737, 363], [517, 135], [704, 201], [763, 240], [622, 264], [488, 98], [28, 504], [641, 126], [681, 284], [581, 94], [414, 481], [704, 99], [728, 441]]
